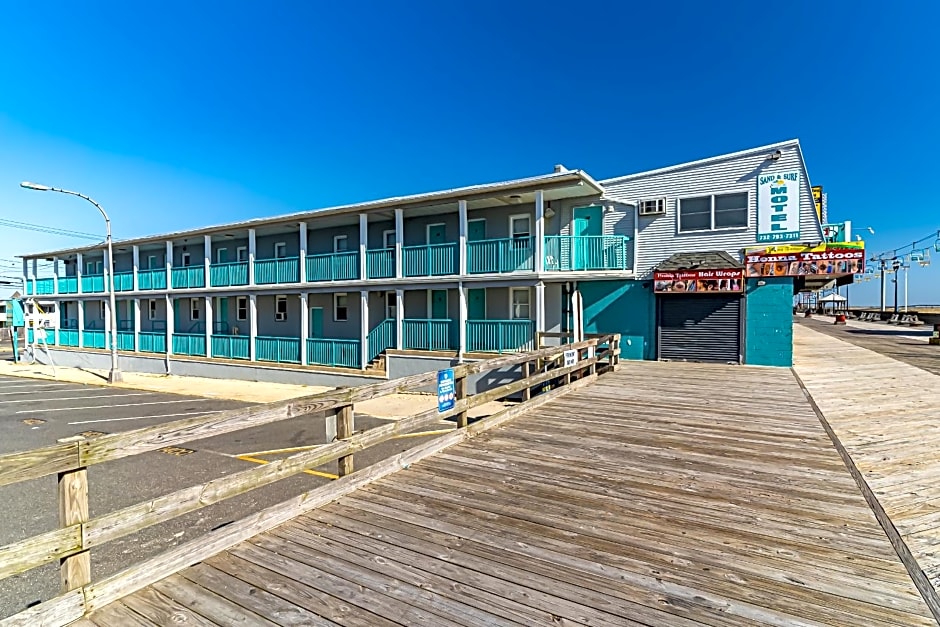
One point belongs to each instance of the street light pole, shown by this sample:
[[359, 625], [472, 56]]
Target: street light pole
[[896, 265], [114, 376]]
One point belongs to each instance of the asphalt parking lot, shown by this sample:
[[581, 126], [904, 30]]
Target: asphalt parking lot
[[35, 413]]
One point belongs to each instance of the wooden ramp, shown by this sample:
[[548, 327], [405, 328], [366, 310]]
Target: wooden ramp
[[663, 494], [885, 415]]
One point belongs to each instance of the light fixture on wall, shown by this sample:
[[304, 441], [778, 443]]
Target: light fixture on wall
[[549, 212], [515, 199], [775, 155]]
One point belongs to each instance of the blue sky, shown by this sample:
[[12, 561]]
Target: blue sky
[[181, 114]]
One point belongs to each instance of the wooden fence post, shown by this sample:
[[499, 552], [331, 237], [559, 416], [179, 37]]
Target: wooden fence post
[[345, 427], [526, 373], [460, 392], [75, 570]]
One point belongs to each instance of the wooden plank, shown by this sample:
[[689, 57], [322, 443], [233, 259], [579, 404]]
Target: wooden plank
[[163, 610], [460, 391], [207, 603], [74, 570], [16, 467], [119, 615], [139, 575], [60, 610], [345, 427], [38, 550]]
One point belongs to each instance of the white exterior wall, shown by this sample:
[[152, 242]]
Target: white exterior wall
[[658, 236]]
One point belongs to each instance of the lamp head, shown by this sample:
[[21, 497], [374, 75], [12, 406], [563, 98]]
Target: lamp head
[[35, 186]]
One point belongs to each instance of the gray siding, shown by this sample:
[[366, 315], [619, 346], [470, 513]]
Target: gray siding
[[145, 258], [159, 322], [553, 307], [268, 326], [337, 329], [320, 241], [123, 262], [196, 252], [184, 323], [264, 245], [93, 318], [416, 304], [416, 229], [376, 308], [658, 236], [229, 255], [376, 229]]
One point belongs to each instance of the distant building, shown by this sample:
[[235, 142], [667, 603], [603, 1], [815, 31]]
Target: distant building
[[694, 261]]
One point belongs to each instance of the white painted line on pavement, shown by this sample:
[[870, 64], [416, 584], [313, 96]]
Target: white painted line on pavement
[[189, 400], [190, 413], [34, 386], [30, 391], [75, 398]]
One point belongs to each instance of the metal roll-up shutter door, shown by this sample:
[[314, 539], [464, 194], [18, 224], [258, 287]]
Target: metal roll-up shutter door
[[700, 328]]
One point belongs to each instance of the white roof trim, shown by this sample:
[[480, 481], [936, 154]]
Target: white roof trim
[[680, 166]]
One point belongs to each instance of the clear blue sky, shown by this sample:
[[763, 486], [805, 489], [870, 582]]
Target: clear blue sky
[[180, 114]]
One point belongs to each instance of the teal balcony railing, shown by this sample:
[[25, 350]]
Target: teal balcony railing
[[231, 346], [429, 260], [333, 267], [381, 338], [189, 276], [500, 336], [92, 283], [29, 336], [123, 281], [429, 334], [189, 344], [566, 253], [151, 280], [284, 270], [68, 337], [327, 352], [282, 350], [68, 285], [151, 342], [43, 286], [125, 340], [29, 287], [380, 264], [227, 274], [490, 256], [93, 339]]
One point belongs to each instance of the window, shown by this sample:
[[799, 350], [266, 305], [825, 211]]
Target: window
[[194, 309], [280, 308], [519, 298], [340, 244], [241, 308], [340, 307], [280, 250], [151, 262], [221, 255], [388, 238], [520, 227], [185, 259], [151, 309], [707, 213], [241, 253], [94, 267], [391, 302]]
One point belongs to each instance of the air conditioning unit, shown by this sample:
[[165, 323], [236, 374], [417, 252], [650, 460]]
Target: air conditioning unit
[[652, 207], [280, 316]]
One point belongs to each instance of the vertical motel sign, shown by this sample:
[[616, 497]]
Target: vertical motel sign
[[778, 207]]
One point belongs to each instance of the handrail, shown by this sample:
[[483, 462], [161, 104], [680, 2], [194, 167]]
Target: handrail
[[70, 460]]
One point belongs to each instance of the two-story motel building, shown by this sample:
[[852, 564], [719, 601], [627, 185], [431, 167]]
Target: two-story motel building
[[394, 286]]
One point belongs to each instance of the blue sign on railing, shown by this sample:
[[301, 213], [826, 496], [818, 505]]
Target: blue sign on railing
[[446, 393]]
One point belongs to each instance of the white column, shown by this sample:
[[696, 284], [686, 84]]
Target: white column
[[105, 272], [78, 274], [363, 244], [136, 260], [170, 323], [462, 321], [304, 327], [107, 323], [25, 276], [81, 323], [207, 261], [208, 326], [169, 273], [136, 305], [252, 322], [462, 246], [540, 307], [399, 317], [399, 237], [55, 275], [363, 328], [303, 261], [540, 233], [33, 271], [251, 270]]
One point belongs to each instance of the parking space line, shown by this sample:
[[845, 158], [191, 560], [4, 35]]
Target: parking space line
[[188, 400], [189, 413], [73, 398], [317, 473], [293, 449], [44, 389], [36, 386]]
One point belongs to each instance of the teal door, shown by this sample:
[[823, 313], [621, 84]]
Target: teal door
[[176, 316], [585, 251], [221, 324], [476, 304], [439, 304], [436, 234], [316, 322], [476, 230]]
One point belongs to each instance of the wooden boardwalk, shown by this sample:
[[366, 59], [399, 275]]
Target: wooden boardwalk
[[664, 494], [886, 415]]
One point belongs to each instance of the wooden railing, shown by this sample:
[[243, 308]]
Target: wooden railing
[[543, 376]]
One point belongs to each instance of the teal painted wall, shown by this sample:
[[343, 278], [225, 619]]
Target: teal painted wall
[[769, 322], [625, 307]]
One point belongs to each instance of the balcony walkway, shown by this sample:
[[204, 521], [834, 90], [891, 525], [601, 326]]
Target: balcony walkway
[[663, 494]]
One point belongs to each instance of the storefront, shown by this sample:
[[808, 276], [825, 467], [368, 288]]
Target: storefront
[[700, 308]]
